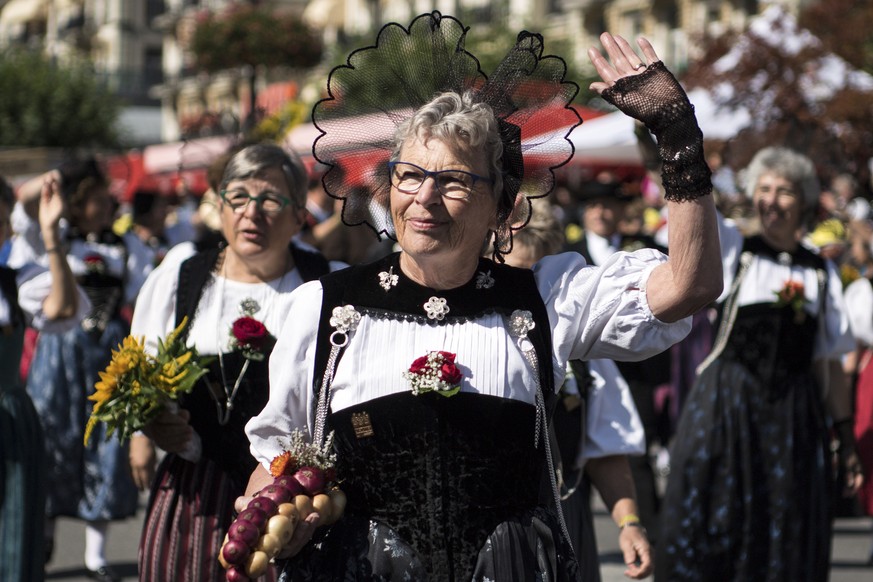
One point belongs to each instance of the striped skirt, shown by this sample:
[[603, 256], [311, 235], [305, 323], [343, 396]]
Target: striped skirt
[[189, 512]]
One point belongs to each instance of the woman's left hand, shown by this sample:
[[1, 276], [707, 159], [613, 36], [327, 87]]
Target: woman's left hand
[[636, 551], [624, 60]]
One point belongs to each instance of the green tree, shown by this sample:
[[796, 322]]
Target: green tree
[[845, 28], [779, 83], [254, 35], [247, 35], [43, 104]]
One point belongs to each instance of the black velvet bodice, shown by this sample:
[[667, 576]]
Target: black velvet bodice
[[105, 290], [772, 343], [441, 472]]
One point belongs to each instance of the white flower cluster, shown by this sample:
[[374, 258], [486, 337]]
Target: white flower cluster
[[310, 454]]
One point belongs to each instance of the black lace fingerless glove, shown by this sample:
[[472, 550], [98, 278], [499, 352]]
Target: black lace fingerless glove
[[657, 99]]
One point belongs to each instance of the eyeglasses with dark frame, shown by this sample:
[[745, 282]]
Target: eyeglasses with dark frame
[[267, 202], [452, 184]]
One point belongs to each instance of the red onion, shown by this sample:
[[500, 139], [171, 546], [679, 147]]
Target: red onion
[[235, 552], [311, 479], [277, 495], [244, 531], [289, 483], [258, 517], [265, 503], [236, 574]]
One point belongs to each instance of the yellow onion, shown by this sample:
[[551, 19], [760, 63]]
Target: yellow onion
[[303, 503], [281, 527], [269, 544], [321, 504], [289, 510], [257, 564]]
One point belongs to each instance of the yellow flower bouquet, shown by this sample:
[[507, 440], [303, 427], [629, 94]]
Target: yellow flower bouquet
[[136, 385]]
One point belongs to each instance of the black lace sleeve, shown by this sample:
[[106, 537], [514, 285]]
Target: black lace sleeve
[[657, 99]]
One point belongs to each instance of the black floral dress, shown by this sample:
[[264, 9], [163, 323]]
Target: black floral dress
[[748, 492]]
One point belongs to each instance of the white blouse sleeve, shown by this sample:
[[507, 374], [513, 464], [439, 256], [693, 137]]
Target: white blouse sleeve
[[291, 396], [859, 306], [34, 285], [612, 425], [602, 312], [837, 338], [731, 242]]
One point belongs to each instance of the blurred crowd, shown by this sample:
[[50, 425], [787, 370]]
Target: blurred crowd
[[595, 217]]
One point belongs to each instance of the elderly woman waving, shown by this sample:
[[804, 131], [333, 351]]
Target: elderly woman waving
[[435, 369]]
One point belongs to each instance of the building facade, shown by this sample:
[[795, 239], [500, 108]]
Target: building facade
[[141, 48]]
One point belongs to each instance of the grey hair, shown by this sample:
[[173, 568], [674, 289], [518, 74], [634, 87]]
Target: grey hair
[[255, 159], [785, 163], [457, 119]]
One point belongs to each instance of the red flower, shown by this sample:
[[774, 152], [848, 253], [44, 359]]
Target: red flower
[[450, 373], [250, 333], [94, 264], [419, 365], [791, 291], [794, 294]]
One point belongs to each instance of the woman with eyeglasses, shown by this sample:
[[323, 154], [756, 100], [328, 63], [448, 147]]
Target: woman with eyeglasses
[[440, 367], [236, 298]]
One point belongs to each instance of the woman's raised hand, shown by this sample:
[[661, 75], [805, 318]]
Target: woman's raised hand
[[623, 60], [51, 205]]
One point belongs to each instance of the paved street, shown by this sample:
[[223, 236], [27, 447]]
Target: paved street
[[851, 546]]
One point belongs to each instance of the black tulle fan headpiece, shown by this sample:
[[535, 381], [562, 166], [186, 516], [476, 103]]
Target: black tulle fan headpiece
[[381, 86]]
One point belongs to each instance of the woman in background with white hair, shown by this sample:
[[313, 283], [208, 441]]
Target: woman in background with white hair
[[750, 483]]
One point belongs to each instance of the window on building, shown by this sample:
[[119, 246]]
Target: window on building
[[154, 67], [154, 8]]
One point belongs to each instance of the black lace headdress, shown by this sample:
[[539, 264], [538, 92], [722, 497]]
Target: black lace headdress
[[382, 85]]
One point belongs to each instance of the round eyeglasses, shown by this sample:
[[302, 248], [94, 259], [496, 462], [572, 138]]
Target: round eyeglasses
[[267, 202], [453, 184]]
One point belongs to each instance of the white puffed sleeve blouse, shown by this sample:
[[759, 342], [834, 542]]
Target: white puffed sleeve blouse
[[594, 312]]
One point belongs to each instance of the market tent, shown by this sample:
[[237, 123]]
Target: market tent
[[301, 137], [611, 138]]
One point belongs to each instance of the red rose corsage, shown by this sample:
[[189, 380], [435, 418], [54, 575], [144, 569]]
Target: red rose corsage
[[793, 293], [435, 372]]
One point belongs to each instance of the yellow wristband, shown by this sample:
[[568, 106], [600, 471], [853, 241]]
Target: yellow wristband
[[629, 519]]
